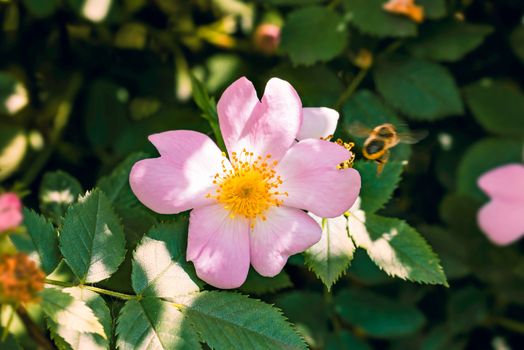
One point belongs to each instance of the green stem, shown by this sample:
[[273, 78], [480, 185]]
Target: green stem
[[351, 88], [328, 300], [512, 325], [5, 333], [93, 288]]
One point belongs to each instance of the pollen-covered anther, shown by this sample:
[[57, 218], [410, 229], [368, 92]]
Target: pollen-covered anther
[[348, 163], [250, 187]]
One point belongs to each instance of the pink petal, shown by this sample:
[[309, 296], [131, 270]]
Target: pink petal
[[182, 176], [286, 231], [502, 222], [10, 211], [312, 180], [317, 123], [267, 127], [504, 182], [218, 245]]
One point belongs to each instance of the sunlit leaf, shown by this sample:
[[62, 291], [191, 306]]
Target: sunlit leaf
[[70, 313], [159, 263], [13, 146], [154, 324], [73, 339], [396, 248], [330, 257]]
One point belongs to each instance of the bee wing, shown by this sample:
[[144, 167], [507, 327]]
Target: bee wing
[[411, 137], [359, 129]]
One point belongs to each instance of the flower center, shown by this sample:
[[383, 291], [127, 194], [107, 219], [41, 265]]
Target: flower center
[[249, 188]]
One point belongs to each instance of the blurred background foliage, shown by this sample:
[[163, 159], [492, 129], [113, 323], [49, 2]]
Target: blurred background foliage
[[84, 82]]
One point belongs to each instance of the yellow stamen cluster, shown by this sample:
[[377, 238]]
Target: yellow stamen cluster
[[20, 279], [349, 162], [249, 188]]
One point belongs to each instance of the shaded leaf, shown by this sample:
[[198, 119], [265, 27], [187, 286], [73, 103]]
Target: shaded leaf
[[448, 41], [346, 340], [229, 321], [41, 242], [516, 40], [322, 39], [421, 90], [497, 106], [377, 315], [476, 161], [370, 18], [258, 284], [311, 324], [376, 189]]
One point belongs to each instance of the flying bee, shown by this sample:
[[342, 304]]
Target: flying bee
[[381, 139]]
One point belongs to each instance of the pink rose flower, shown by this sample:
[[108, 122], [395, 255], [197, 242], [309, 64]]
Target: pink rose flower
[[10, 211], [249, 208], [502, 219]]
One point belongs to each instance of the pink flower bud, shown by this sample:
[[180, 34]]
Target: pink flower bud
[[267, 38], [10, 211]]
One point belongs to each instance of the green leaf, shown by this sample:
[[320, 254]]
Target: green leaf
[[41, 242], [317, 85], [40, 8], [330, 257], [293, 2], [367, 109], [322, 39], [467, 308], [497, 106], [476, 161], [10, 343], [13, 95], [312, 323], [377, 189], [433, 9], [72, 339], [92, 240], [257, 284], [208, 107], [420, 89], [70, 313], [116, 185], [346, 340], [396, 248], [13, 147], [370, 18], [229, 321], [516, 40], [377, 315], [58, 191], [105, 114], [159, 263], [448, 41], [153, 324]]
